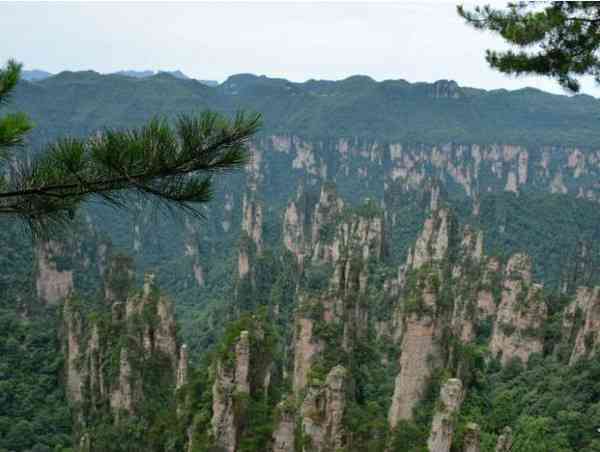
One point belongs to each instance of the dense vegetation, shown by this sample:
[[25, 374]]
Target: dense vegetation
[[34, 413]]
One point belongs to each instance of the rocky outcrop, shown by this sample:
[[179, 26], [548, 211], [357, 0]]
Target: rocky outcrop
[[325, 225], [53, 283], [420, 355], [521, 314], [191, 251], [477, 169], [505, 440], [432, 243], [444, 418], [130, 342], [231, 383], [471, 440], [242, 369], [252, 242], [581, 324], [306, 349], [342, 243], [73, 350], [322, 412], [294, 231], [417, 316], [283, 436]]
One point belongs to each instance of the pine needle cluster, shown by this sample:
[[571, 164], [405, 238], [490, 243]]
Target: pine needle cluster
[[556, 39], [170, 163]]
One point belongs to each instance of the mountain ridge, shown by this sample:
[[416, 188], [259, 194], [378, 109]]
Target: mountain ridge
[[358, 106]]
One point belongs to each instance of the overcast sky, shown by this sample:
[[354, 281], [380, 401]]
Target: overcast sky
[[298, 41]]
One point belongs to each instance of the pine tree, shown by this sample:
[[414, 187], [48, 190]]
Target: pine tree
[[171, 164], [556, 39]]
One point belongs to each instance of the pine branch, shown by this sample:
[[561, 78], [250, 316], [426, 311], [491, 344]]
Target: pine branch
[[566, 36], [172, 165]]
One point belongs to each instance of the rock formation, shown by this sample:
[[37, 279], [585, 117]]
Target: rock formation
[[231, 383], [322, 412], [471, 440], [444, 418], [521, 313], [505, 440], [108, 368], [581, 323], [242, 371], [283, 436], [52, 283]]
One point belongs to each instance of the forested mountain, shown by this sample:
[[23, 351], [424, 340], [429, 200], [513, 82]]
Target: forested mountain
[[400, 267]]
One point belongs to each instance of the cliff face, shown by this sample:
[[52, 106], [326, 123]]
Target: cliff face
[[581, 324], [230, 381], [444, 418], [53, 283], [322, 412], [121, 361], [418, 314], [472, 438], [283, 436], [242, 376], [521, 314]]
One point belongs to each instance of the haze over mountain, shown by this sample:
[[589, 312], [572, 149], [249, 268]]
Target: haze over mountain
[[35, 75]]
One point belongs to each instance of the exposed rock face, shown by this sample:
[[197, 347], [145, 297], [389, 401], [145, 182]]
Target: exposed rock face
[[72, 322], [344, 242], [239, 373], [230, 382], [52, 283], [581, 323], [442, 427], [505, 440], [521, 314], [322, 412], [147, 322], [191, 251], [182, 369], [293, 231], [471, 441], [432, 243], [478, 169], [252, 245], [283, 436], [306, 349], [327, 212], [420, 356], [420, 352]]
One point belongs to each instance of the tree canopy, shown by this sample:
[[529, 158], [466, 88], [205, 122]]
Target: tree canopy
[[171, 163], [556, 39]]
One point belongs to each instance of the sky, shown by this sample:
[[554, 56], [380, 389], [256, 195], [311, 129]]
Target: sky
[[424, 41]]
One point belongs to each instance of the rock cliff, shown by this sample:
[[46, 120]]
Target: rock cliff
[[121, 360], [444, 418]]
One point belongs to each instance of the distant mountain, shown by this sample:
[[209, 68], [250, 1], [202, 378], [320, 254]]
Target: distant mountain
[[391, 110], [177, 74], [212, 83], [136, 74], [35, 75]]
